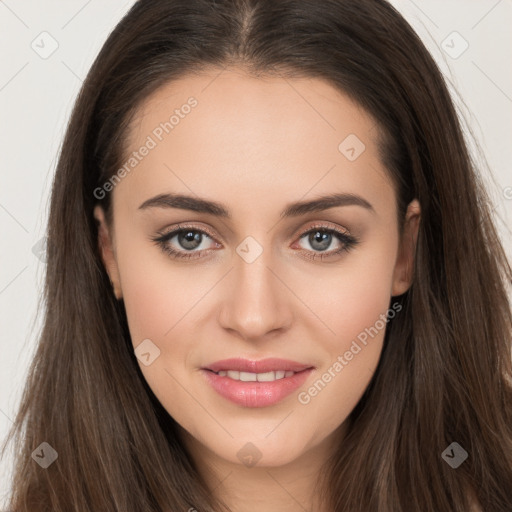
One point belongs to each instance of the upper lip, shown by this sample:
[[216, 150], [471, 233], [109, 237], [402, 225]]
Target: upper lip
[[262, 366]]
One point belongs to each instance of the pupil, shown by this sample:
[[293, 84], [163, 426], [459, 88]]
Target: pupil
[[189, 239], [323, 239]]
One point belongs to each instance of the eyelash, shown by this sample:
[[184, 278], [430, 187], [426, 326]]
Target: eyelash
[[348, 242]]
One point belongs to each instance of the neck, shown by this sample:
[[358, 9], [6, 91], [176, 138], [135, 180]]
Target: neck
[[291, 487]]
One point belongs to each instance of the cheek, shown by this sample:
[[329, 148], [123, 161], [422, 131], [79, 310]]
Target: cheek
[[151, 306], [360, 303], [350, 296], [157, 294], [159, 303], [354, 304]]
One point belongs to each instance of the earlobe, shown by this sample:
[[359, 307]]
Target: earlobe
[[106, 248], [403, 272]]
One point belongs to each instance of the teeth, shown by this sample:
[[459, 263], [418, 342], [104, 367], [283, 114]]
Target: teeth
[[266, 377], [253, 377], [247, 377]]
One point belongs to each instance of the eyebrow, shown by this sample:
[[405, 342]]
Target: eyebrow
[[196, 204]]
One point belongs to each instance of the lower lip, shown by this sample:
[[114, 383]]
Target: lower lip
[[256, 394]]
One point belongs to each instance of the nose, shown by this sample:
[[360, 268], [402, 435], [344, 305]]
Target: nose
[[255, 302]]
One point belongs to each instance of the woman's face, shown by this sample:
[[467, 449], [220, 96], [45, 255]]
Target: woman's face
[[290, 250]]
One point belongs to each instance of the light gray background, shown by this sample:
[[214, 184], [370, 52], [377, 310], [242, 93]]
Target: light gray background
[[36, 96]]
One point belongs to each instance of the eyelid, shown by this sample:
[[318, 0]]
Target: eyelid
[[183, 226], [324, 225], [196, 227]]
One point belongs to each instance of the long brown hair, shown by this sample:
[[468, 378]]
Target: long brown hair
[[445, 372]]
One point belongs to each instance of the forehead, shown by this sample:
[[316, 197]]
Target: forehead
[[228, 131]]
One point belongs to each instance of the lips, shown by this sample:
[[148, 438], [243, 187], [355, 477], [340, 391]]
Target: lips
[[256, 383]]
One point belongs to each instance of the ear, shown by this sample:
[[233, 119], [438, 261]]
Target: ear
[[403, 272], [106, 247]]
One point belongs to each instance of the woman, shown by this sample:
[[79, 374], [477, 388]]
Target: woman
[[273, 279]]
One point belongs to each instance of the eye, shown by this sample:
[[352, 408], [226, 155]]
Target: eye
[[185, 242], [191, 242], [321, 237]]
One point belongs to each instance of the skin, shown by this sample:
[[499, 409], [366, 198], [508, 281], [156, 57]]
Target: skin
[[256, 145]]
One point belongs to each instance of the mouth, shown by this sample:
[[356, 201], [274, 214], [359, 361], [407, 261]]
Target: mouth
[[256, 383]]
